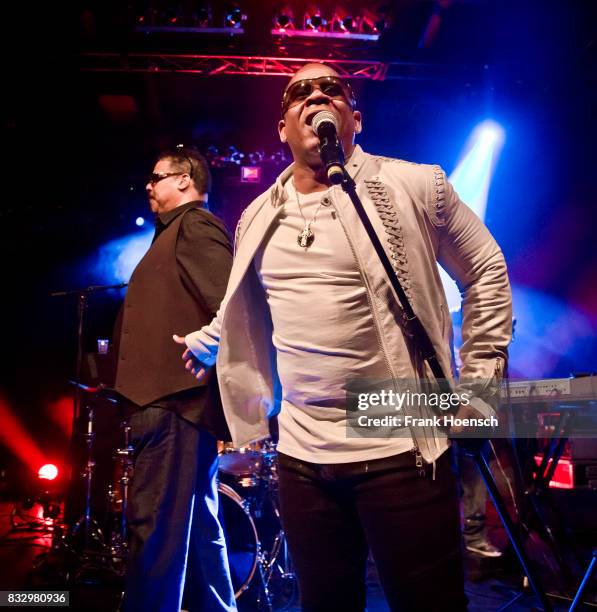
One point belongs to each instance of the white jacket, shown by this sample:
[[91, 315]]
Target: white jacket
[[420, 221]]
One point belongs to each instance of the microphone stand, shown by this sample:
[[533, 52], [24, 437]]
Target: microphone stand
[[81, 306], [415, 329], [82, 295]]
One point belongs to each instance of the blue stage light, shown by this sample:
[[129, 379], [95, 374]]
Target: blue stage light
[[140, 221], [471, 179], [472, 175], [117, 259]]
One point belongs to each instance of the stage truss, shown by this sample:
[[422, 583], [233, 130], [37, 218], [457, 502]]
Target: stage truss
[[211, 65]]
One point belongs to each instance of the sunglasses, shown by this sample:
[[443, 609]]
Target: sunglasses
[[156, 177], [180, 153], [331, 86]]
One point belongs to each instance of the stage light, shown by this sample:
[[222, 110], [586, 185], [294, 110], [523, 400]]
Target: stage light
[[203, 17], [491, 134], [471, 179], [373, 23], [16, 438], [234, 17], [139, 221], [283, 20], [234, 155], [314, 21], [250, 174], [380, 25], [349, 24], [117, 259], [47, 472], [345, 24], [473, 174]]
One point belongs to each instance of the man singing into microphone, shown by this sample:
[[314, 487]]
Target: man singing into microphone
[[308, 306]]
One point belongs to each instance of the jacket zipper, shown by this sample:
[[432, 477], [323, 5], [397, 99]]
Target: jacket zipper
[[415, 449]]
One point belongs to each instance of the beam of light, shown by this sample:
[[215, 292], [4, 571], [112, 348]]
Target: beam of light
[[472, 176], [471, 179], [60, 412], [117, 259], [553, 338], [48, 471], [16, 438]]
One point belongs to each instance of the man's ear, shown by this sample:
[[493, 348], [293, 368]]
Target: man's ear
[[184, 180], [282, 130], [358, 122]]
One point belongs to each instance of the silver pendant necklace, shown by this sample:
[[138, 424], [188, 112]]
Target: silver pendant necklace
[[306, 237]]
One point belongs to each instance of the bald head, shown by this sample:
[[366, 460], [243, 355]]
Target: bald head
[[313, 88]]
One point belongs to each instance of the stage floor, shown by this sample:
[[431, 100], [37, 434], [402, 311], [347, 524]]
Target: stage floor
[[490, 583]]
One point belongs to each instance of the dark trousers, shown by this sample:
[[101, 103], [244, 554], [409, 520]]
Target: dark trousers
[[173, 518], [334, 513]]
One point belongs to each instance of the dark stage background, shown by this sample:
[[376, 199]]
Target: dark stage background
[[79, 143]]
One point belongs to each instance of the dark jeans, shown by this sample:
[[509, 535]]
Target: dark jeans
[[334, 513], [173, 518]]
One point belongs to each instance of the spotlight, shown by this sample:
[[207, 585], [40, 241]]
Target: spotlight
[[344, 24], [250, 174], [139, 221], [47, 472], [380, 25], [234, 155], [348, 24], [315, 21], [491, 134], [170, 16], [45, 491], [374, 23], [472, 179], [283, 21], [234, 17], [203, 17]]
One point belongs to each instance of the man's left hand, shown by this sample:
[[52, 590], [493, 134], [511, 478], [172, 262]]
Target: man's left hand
[[192, 364]]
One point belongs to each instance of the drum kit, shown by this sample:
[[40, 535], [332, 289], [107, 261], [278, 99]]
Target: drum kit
[[255, 540], [260, 566]]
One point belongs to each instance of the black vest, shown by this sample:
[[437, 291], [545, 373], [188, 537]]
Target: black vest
[[157, 304]]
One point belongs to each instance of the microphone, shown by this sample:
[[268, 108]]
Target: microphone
[[325, 127]]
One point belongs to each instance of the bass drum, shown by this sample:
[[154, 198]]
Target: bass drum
[[242, 542]]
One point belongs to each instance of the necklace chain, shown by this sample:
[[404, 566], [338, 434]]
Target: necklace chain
[[306, 237]]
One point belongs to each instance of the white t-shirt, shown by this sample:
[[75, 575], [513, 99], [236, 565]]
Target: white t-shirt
[[324, 333]]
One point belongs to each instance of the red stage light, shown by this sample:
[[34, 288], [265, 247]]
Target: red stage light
[[47, 472], [563, 477], [250, 174], [16, 438]]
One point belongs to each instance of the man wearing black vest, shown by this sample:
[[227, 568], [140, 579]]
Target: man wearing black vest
[[178, 285]]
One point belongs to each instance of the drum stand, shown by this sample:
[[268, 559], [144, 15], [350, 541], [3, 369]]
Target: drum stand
[[118, 542], [91, 529], [277, 557]]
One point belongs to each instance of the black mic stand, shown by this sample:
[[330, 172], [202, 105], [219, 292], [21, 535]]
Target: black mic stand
[[414, 328], [81, 306]]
